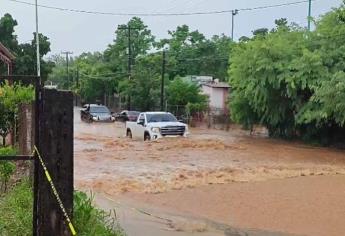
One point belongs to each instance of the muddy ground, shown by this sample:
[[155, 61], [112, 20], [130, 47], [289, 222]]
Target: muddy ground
[[215, 180]]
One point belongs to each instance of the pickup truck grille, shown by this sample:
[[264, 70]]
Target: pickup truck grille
[[173, 130]]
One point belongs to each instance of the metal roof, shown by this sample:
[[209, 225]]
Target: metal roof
[[5, 54], [218, 85]]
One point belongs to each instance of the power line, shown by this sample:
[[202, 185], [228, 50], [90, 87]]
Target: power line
[[163, 14]]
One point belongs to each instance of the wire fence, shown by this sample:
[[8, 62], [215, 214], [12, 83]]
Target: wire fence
[[218, 118]]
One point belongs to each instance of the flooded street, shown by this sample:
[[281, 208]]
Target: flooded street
[[212, 183]]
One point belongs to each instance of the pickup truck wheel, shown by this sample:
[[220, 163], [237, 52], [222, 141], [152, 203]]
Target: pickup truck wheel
[[129, 134], [147, 137]]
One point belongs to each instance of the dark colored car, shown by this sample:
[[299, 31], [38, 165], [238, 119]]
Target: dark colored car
[[93, 112], [127, 116]]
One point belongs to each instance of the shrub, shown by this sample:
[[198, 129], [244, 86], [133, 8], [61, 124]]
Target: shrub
[[16, 211], [92, 221]]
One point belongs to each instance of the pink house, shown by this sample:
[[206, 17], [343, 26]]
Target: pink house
[[218, 93]]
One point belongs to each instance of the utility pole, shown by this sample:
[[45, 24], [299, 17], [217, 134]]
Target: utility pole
[[67, 53], [35, 220], [77, 80], [233, 13], [162, 83], [130, 57], [37, 43], [309, 16], [77, 85]]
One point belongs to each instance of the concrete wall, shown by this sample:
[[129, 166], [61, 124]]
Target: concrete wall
[[217, 96]]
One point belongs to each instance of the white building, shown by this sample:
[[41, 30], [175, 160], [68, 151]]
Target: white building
[[198, 79]]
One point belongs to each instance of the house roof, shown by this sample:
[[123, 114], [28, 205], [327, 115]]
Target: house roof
[[218, 85], [5, 54]]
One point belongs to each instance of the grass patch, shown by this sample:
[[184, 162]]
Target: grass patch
[[7, 168], [16, 211], [16, 214]]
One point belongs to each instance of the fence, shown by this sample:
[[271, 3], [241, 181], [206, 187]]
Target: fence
[[213, 117]]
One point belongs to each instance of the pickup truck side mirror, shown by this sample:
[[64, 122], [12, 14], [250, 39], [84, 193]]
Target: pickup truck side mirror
[[141, 122]]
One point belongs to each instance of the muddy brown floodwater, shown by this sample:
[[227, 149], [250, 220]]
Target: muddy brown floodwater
[[219, 178]]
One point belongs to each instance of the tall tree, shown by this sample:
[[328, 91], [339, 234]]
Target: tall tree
[[141, 41], [190, 53], [25, 62]]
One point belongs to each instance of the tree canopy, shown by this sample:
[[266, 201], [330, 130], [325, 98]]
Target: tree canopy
[[292, 80], [25, 62], [105, 73]]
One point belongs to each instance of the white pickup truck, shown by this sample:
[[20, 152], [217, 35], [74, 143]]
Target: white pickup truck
[[155, 125]]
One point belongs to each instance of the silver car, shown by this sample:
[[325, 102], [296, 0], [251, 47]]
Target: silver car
[[93, 113]]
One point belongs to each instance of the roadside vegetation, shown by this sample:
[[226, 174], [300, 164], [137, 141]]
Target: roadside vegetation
[[88, 220], [11, 96], [292, 81], [7, 168]]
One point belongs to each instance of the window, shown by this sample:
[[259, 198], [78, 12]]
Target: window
[[99, 109], [142, 118], [164, 117]]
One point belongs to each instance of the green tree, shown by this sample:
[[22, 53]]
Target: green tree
[[271, 75], [7, 36], [116, 55], [292, 81], [10, 98], [180, 93], [190, 53], [25, 62], [145, 88], [323, 116]]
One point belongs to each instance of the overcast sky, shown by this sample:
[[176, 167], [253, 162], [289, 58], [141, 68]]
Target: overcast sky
[[85, 32]]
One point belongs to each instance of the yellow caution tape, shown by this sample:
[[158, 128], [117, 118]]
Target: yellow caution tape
[[56, 194], [48, 176], [72, 229]]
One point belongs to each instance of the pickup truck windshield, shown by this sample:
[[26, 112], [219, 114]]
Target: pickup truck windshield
[[99, 110], [152, 118]]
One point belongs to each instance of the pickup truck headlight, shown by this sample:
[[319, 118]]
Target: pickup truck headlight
[[94, 118], [155, 129]]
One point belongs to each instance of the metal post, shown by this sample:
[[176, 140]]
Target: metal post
[[309, 16], [67, 63], [129, 64], [37, 43], [129, 53], [77, 86], [36, 164], [130, 57], [233, 13], [162, 83]]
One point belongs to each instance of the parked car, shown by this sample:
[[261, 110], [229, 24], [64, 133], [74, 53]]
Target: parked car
[[155, 125], [93, 112], [127, 116]]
